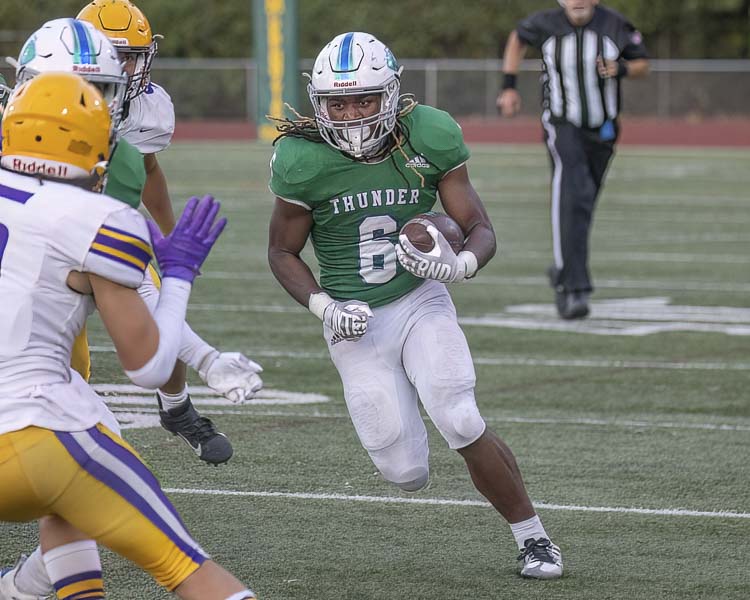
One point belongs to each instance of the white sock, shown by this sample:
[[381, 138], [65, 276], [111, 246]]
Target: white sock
[[530, 528], [32, 578], [173, 401], [74, 563]]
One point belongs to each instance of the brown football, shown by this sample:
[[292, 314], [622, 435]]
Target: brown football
[[416, 231]]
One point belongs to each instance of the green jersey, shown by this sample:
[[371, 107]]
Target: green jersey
[[127, 174], [358, 208]]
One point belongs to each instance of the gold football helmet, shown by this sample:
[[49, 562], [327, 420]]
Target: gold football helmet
[[56, 125], [130, 32]]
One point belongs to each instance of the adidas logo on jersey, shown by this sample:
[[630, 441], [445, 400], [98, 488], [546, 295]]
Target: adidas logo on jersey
[[419, 162]]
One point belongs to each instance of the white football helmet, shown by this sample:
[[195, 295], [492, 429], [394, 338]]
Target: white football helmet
[[73, 46], [356, 63], [4, 93]]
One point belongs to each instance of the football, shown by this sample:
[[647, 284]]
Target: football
[[416, 231]]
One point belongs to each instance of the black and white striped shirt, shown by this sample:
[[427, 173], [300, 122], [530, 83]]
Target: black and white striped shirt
[[572, 88]]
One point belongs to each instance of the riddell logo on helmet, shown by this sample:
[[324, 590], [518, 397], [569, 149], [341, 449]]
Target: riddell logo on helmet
[[86, 69], [40, 168], [340, 84]]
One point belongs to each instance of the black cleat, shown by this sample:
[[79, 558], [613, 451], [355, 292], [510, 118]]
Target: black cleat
[[572, 305], [199, 433]]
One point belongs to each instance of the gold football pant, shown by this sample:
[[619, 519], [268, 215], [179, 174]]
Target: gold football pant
[[96, 482], [80, 358]]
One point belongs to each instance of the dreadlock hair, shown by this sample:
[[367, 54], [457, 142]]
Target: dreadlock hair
[[301, 127], [307, 128]]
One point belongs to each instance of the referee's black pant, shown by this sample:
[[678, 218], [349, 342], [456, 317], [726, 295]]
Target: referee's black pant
[[579, 160]]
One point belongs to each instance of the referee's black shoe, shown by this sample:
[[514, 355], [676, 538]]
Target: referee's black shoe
[[572, 305], [198, 432]]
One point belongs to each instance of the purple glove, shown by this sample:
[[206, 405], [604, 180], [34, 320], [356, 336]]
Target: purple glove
[[183, 251]]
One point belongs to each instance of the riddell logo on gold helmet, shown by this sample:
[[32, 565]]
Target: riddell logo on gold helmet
[[34, 167]]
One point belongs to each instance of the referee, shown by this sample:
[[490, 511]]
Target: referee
[[586, 51]]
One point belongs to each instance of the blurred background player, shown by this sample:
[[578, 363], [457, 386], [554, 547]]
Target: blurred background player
[[61, 246], [586, 50], [148, 124], [349, 180], [4, 94]]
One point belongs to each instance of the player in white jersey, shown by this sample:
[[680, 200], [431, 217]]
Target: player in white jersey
[[75, 46], [148, 125], [70, 45], [4, 93], [149, 119], [60, 247]]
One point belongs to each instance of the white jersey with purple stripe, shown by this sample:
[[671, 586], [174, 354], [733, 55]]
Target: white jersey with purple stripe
[[150, 122], [47, 230]]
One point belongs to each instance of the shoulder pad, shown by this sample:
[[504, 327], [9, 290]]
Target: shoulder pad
[[435, 129], [295, 166], [436, 135], [121, 250], [150, 122]]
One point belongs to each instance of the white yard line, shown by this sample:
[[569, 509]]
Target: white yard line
[[522, 361], [667, 512], [612, 364], [140, 405], [639, 257], [624, 284]]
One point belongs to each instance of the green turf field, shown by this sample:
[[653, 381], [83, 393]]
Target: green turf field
[[632, 428]]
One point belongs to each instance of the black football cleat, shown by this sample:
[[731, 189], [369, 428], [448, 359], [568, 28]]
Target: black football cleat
[[198, 432], [572, 305]]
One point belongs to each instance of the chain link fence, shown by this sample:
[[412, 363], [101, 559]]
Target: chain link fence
[[226, 88]]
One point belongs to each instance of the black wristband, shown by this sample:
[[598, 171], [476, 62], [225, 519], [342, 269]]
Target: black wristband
[[622, 68], [509, 81]]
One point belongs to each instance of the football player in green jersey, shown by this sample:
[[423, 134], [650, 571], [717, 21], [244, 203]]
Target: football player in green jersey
[[349, 179]]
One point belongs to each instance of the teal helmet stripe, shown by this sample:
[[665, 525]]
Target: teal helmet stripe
[[346, 51], [83, 44]]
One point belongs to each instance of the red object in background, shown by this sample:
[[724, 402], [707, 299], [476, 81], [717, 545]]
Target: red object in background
[[528, 130]]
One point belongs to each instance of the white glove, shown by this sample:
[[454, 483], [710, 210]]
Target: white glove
[[441, 263], [347, 320], [232, 375]]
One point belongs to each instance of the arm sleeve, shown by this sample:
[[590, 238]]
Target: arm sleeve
[[121, 249], [193, 349], [531, 31], [170, 318]]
